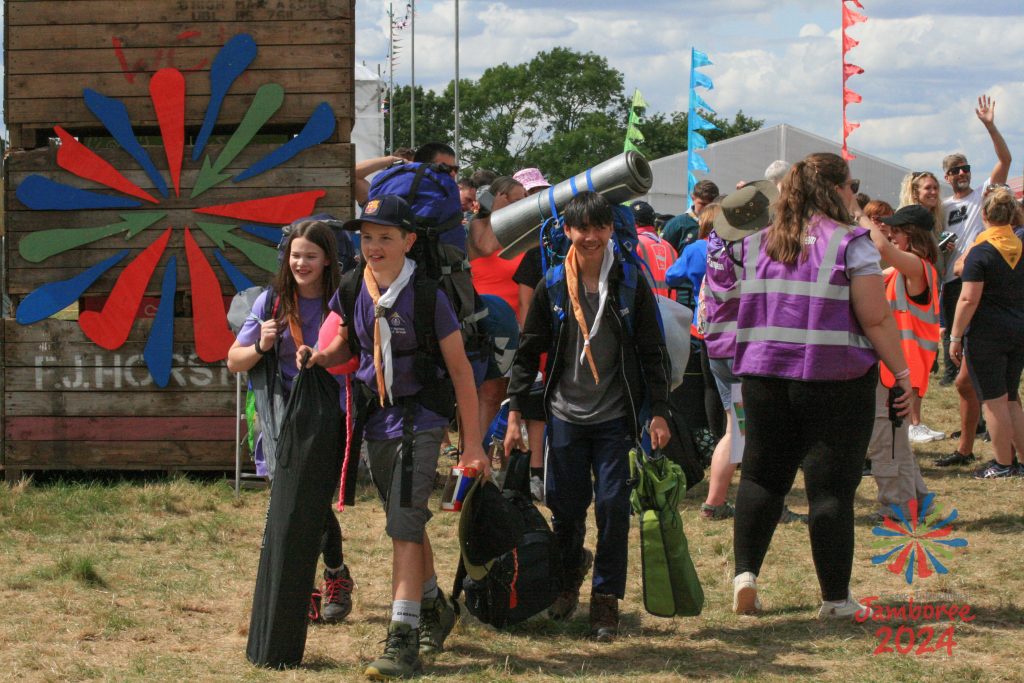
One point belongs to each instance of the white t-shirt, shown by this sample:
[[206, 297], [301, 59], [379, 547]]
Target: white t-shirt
[[963, 218]]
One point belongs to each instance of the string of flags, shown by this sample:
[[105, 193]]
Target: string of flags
[[850, 18], [633, 134], [695, 122]]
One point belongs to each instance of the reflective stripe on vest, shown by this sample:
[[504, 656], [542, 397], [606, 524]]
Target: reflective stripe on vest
[[819, 337], [659, 255], [918, 326]]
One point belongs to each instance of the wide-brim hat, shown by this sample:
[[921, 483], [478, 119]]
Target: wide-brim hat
[[746, 210], [388, 209], [489, 526]]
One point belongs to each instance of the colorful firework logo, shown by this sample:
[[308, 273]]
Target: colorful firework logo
[[110, 327], [915, 537]]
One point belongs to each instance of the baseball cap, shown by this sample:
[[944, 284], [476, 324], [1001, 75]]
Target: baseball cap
[[912, 214], [388, 209], [643, 212], [746, 210]]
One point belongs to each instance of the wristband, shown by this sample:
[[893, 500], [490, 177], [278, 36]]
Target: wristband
[[903, 374], [258, 349], [956, 340]]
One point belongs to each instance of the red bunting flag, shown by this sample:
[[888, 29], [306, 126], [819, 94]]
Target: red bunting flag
[[850, 18]]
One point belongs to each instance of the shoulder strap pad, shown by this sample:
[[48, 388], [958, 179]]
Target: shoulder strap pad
[[348, 291]]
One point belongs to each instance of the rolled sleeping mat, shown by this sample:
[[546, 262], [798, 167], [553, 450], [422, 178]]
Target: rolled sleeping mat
[[619, 179]]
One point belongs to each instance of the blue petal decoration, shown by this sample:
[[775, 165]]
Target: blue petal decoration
[[909, 573], [233, 59], [41, 193], [879, 559], [264, 232], [159, 347], [318, 128], [46, 300], [237, 277], [114, 116]]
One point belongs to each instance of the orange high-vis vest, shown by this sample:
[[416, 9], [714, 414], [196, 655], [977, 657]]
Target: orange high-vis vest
[[659, 255], [918, 325]]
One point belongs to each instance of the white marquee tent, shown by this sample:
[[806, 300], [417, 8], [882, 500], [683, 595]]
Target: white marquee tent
[[745, 157], [368, 130]]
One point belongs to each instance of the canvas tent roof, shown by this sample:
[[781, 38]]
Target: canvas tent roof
[[368, 130], [745, 157]]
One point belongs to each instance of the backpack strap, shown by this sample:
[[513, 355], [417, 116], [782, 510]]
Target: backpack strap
[[436, 394], [348, 292], [627, 295], [554, 280]]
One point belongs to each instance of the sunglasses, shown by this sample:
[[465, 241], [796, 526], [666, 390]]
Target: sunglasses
[[997, 186], [854, 184], [957, 170], [446, 168]]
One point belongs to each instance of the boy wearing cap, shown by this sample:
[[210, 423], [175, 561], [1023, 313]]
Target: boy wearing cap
[[596, 374], [383, 319]]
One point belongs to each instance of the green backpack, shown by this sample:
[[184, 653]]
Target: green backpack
[[671, 585]]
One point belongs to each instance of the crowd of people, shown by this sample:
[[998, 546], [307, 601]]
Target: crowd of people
[[818, 317]]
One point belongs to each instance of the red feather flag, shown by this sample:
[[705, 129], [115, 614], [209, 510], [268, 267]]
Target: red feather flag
[[850, 97]]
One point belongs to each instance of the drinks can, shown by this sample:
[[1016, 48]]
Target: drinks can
[[459, 481]]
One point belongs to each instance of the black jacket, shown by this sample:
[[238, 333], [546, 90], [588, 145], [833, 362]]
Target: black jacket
[[643, 360]]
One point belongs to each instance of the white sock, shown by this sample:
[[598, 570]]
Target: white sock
[[406, 612], [430, 588]]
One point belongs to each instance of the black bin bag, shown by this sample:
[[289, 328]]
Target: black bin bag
[[310, 450]]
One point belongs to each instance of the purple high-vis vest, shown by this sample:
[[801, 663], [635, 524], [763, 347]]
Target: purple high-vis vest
[[795, 321], [721, 300]]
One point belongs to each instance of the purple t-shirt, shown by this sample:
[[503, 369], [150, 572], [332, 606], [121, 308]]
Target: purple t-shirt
[[386, 423], [311, 316]]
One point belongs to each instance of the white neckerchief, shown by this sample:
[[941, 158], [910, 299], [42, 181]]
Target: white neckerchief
[[602, 296], [386, 301]]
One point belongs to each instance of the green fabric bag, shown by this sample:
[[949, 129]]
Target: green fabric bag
[[670, 582]]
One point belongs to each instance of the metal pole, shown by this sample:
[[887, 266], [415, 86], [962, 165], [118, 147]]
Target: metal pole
[[391, 81], [412, 91], [238, 433], [458, 151]]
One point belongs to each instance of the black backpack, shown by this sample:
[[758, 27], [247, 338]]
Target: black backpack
[[525, 580]]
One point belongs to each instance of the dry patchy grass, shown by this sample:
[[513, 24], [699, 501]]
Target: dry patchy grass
[[130, 581]]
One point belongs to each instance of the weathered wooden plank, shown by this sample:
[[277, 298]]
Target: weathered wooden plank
[[114, 84], [336, 195], [140, 40], [135, 455], [26, 280], [117, 403], [104, 60], [123, 370], [72, 113], [28, 12], [275, 181], [57, 332], [120, 428], [63, 354]]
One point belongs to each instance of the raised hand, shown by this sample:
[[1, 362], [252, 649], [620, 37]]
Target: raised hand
[[986, 110]]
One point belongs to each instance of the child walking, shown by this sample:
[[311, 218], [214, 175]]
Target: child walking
[[299, 294], [382, 319], [598, 374]]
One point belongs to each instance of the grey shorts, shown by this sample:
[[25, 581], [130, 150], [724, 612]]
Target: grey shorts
[[405, 524], [721, 370]]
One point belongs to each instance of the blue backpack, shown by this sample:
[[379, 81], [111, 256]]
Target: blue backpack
[[346, 248]]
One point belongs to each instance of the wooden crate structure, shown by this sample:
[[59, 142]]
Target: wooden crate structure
[[67, 402]]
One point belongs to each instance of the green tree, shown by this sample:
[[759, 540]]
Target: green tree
[[435, 116]]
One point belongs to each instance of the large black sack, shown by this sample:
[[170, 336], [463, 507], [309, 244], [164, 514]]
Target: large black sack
[[310, 450], [682, 450]]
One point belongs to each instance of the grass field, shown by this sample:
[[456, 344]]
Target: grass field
[[151, 580]]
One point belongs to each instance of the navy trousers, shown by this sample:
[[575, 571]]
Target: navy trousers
[[591, 462]]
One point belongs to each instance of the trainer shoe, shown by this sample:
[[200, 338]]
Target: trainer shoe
[[315, 600], [954, 459], [744, 594], [604, 617], [993, 470], [569, 599], [437, 618], [921, 434], [401, 658], [843, 609], [716, 512], [537, 488], [934, 432], [337, 594]]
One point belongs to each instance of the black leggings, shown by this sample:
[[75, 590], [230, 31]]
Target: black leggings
[[827, 427], [330, 541]]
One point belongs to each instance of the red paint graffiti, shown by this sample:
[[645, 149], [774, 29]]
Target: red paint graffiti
[[142, 65]]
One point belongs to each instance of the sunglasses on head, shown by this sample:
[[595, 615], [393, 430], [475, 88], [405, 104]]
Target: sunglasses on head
[[957, 170], [997, 186]]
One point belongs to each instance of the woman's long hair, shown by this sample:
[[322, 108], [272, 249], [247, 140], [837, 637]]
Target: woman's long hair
[[920, 241], [910, 193], [999, 207], [284, 282], [809, 188]]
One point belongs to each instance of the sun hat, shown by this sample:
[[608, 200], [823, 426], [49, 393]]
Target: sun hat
[[746, 210], [530, 178]]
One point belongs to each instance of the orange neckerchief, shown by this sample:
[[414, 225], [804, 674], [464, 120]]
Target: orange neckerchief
[[378, 359], [1006, 243], [572, 282]]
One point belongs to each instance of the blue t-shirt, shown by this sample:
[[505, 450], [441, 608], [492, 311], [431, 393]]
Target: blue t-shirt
[[689, 268], [386, 423]]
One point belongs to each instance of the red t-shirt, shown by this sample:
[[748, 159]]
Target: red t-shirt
[[493, 275]]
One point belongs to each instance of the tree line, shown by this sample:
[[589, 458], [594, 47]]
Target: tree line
[[561, 112]]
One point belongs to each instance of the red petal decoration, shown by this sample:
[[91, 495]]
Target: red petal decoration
[[279, 210], [209, 319], [76, 158], [167, 91]]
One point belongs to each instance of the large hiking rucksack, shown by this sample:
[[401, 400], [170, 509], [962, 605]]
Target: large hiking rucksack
[[440, 248]]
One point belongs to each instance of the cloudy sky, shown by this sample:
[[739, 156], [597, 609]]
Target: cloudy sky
[[925, 62]]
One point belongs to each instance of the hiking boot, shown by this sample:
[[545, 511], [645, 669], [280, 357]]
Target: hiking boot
[[716, 512], [337, 593], [401, 658], [537, 488], [789, 516], [604, 617], [744, 594], [953, 459], [437, 618], [569, 599], [993, 470], [315, 600], [844, 609]]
